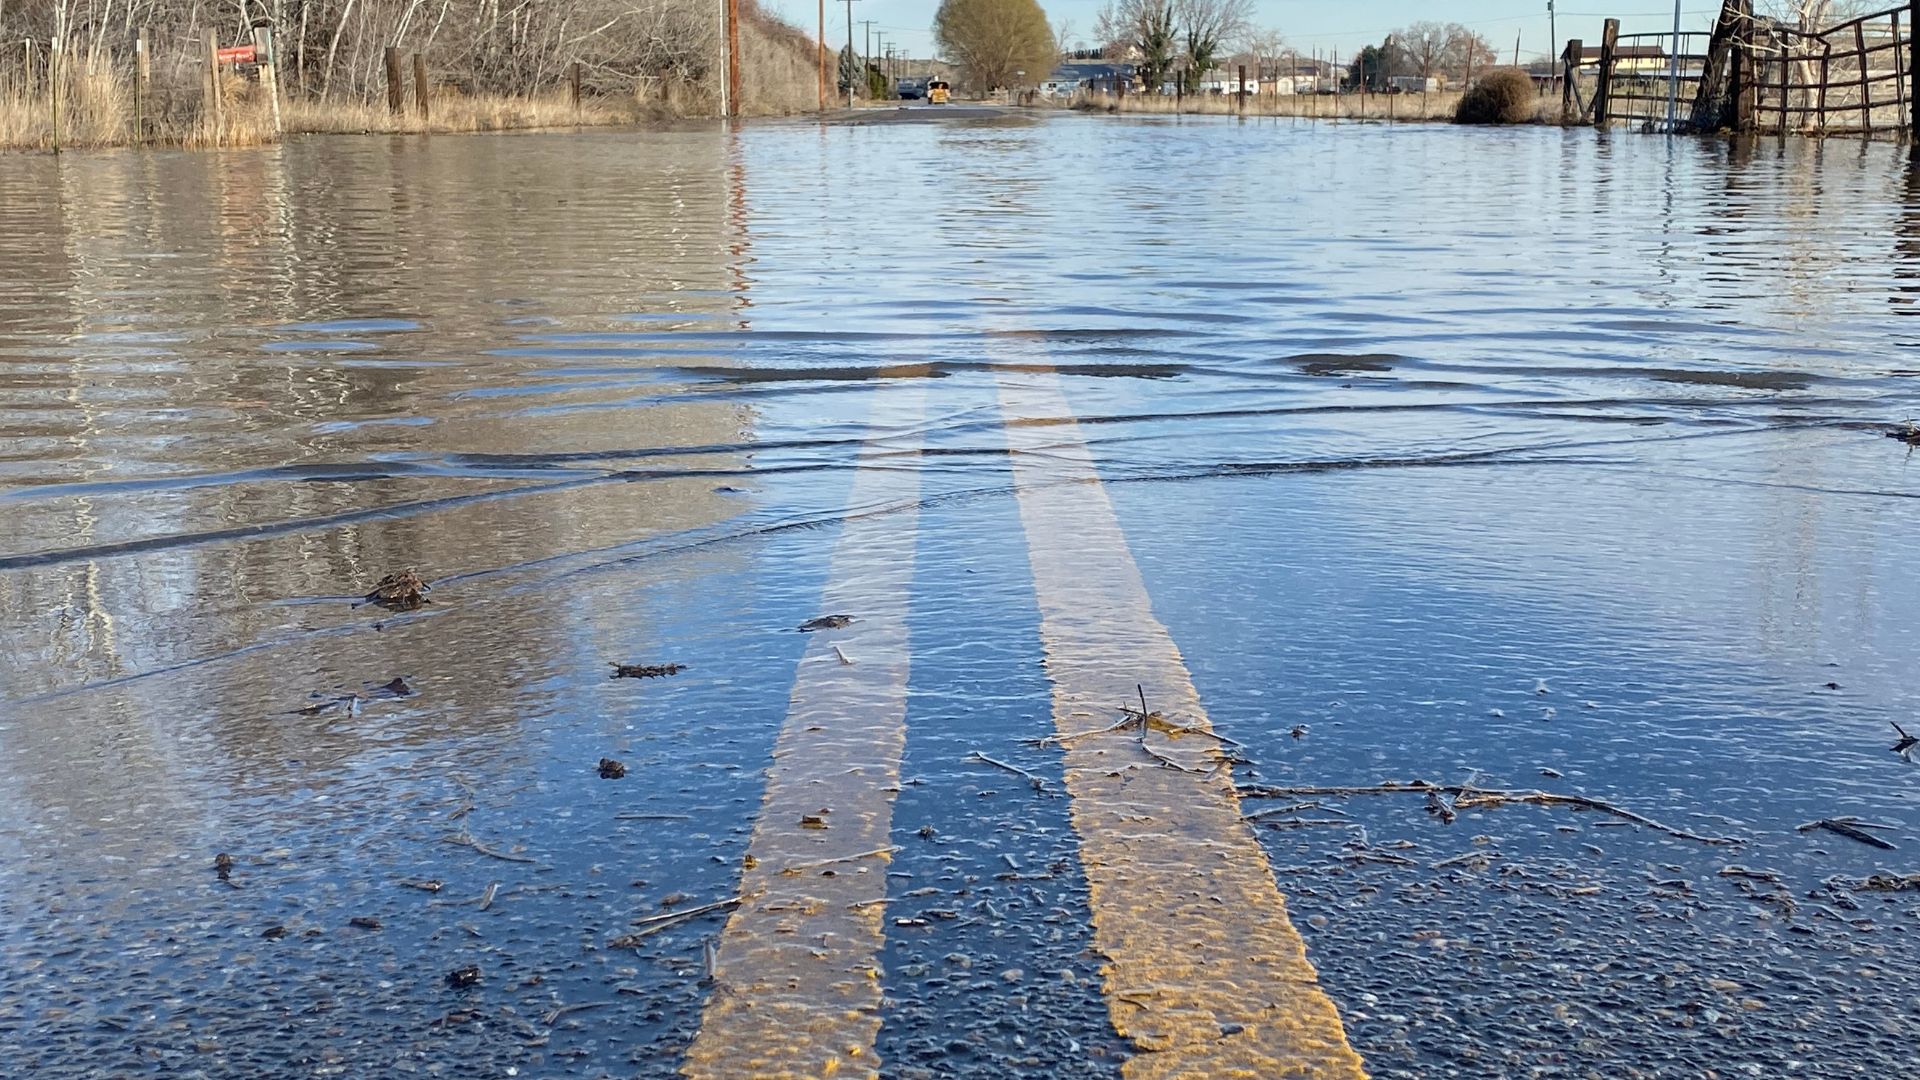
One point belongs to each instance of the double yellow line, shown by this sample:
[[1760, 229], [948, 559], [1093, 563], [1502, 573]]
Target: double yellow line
[[796, 976], [1205, 973]]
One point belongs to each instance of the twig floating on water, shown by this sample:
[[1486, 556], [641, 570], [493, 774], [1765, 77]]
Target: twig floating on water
[[645, 671], [467, 840], [688, 913], [559, 1011], [653, 924], [486, 899], [1480, 796], [653, 817], [818, 863], [1039, 783], [1852, 829]]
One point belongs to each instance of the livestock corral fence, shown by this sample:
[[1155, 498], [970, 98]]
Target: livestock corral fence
[[1754, 74]]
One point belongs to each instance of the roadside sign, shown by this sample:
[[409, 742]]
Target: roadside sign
[[238, 54]]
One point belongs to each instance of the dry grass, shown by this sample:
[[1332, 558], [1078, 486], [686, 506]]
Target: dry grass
[[97, 104], [450, 111], [93, 108], [1438, 106], [1434, 106], [1505, 96]]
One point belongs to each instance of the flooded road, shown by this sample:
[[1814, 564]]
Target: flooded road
[[1185, 490]]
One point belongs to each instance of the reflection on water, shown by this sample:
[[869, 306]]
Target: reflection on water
[[1441, 410]]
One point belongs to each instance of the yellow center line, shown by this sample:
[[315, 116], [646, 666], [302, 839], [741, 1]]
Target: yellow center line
[[1205, 974], [796, 978]]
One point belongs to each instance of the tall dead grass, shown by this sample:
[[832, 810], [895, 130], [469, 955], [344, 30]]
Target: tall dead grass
[[97, 106], [91, 102], [1436, 106]]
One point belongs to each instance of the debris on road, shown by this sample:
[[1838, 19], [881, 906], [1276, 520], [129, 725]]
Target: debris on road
[[1473, 798], [1852, 828], [1039, 783], [461, 978], [1906, 744], [645, 671], [400, 591]]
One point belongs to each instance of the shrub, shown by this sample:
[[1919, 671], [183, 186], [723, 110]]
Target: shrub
[[1505, 96]]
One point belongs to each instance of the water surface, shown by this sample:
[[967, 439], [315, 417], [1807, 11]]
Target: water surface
[[1444, 454]]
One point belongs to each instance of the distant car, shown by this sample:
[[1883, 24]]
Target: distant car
[[910, 89]]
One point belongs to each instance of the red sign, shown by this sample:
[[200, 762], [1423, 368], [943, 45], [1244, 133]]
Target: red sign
[[239, 54]]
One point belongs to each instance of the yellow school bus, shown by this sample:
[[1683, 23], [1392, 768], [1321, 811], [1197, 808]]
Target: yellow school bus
[[937, 92]]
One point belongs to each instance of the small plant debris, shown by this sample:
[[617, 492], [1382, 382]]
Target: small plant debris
[[813, 821], [223, 868], [1852, 828], [645, 671], [826, 622], [611, 769], [400, 591], [461, 978], [274, 933], [427, 885], [364, 922], [1906, 744], [1908, 433]]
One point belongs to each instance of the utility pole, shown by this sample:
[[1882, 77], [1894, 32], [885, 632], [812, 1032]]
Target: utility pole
[[1516, 48], [733, 56], [1553, 30], [821, 58], [866, 61], [849, 52], [1673, 78]]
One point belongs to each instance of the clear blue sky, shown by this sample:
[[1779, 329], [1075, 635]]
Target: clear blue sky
[[1307, 24]]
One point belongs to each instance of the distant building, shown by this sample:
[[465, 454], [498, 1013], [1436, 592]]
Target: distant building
[[1227, 81], [1092, 76], [1627, 59], [1413, 84]]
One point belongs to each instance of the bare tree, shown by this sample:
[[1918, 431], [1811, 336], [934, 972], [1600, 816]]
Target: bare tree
[[1143, 31], [1210, 27], [1467, 53], [1269, 50], [1426, 46]]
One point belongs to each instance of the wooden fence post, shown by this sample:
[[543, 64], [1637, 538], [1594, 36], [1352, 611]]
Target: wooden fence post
[[573, 89], [421, 95], [215, 121], [1609, 35], [1713, 95], [142, 80], [53, 88], [269, 77], [394, 85], [1913, 72], [1569, 71], [1746, 70], [1866, 93], [1242, 92]]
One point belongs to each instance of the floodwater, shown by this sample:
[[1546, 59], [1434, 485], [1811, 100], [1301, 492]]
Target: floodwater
[[1505, 460]]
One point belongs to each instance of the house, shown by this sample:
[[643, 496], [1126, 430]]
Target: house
[[1627, 59], [1227, 81], [1093, 76], [1413, 84]]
